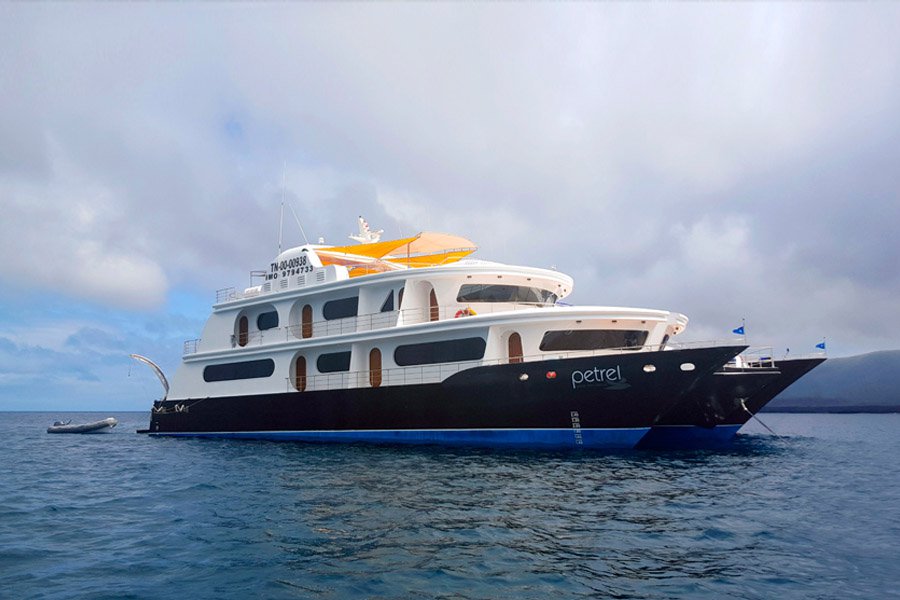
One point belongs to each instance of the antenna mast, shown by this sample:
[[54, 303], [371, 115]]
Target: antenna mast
[[281, 215]]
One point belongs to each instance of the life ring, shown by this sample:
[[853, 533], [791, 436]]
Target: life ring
[[465, 312]]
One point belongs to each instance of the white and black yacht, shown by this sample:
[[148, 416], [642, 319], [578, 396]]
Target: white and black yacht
[[411, 341]]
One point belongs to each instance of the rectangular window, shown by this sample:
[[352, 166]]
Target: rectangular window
[[251, 369], [475, 292], [440, 352], [592, 339], [340, 309], [267, 320], [333, 362]]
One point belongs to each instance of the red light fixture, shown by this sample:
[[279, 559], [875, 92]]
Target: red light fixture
[[551, 374]]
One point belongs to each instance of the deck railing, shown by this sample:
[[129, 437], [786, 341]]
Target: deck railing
[[360, 323], [388, 377], [435, 373]]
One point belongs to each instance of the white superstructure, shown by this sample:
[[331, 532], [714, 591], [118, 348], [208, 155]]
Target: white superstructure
[[393, 313]]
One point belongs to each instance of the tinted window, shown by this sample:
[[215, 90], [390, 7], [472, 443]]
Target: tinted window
[[333, 362], [473, 292], [592, 339], [268, 320], [240, 370], [388, 305], [339, 309], [439, 352]]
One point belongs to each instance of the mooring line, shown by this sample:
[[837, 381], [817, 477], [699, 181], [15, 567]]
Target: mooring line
[[758, 420]]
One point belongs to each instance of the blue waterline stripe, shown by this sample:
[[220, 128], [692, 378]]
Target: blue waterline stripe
[[540, 438], [688, 436]]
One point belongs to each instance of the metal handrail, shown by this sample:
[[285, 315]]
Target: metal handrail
[[360, 323], [226, 294], [754, 358], [383, 320], [191, 347], [435, 373]]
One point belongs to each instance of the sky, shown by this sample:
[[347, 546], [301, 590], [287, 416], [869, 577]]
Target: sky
[[732, 162]]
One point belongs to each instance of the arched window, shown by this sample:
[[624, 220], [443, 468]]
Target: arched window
[[515, 348], [300, 374], [243, 331], [306, 322], [375, 367], [435, 311]]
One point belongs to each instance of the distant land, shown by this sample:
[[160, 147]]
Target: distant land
[[865, 383]]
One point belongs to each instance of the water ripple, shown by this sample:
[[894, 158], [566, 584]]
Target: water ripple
[[810, 514]]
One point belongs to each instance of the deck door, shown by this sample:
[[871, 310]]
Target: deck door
[[435, 311], [300, 374], [243, 331], [515, 348], [306, 322], [375, 367]]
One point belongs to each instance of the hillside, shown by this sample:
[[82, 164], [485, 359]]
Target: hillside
[[864, 383]]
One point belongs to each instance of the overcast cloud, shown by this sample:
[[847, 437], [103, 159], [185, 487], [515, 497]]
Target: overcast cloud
[[725, 161]]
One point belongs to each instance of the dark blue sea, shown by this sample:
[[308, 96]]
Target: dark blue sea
[[814, 513]]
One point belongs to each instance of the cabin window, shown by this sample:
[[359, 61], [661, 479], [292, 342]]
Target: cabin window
[[333, 362], [665, 340], [400, 298], [267, 320], [515, 348], [375, 367], [476, 292], [300, 374], [388, 304], [440, 352], [592, 339], [306, 322], [243, 331], [340, 309], [434, 310], [252, 369]]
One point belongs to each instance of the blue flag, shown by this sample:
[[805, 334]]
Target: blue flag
[[821, 346], [739, 330]]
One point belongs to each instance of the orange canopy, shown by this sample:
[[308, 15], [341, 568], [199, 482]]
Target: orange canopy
[[426, 249]]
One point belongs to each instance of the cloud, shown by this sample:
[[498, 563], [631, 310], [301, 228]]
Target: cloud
[[54, 365], [726, 161]]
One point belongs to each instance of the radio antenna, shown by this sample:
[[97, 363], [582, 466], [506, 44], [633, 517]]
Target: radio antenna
[[281, 214]]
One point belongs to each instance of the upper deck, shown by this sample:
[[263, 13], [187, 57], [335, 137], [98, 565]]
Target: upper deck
[[306, 299]]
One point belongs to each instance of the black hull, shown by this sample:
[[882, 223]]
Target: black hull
[[712, 414], [791, 370], [492, 405], [715, 398]]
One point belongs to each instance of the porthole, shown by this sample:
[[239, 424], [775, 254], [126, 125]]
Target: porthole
[[650, 368], [687, 366]]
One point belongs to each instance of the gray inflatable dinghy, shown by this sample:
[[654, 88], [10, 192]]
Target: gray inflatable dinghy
[[95, 427]]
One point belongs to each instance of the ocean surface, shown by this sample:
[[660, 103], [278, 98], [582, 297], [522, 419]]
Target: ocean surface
[[813, 513]]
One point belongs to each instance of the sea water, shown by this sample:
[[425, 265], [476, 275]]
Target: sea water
[[813, 513]]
